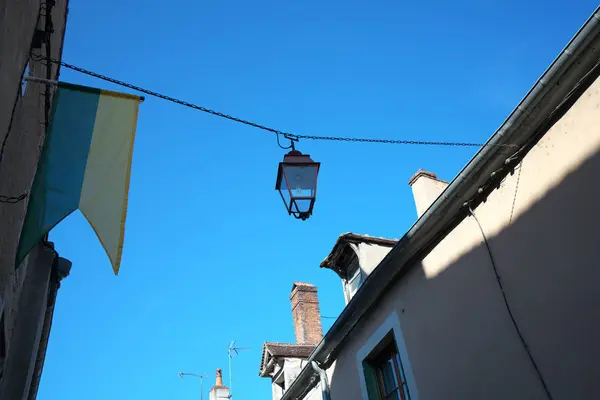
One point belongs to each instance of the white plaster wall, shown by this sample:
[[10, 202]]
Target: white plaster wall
[[544, 238], [291, 369], [314, 394], [277, 391], [219, 393], [370, 255]]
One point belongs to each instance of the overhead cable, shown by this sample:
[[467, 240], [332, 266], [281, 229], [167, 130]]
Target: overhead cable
[[526, 347], [290, 136]]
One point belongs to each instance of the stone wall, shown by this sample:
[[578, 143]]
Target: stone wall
[[22, 127]]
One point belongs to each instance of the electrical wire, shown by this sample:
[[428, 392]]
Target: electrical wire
[[482, 193], [514, 202], [10, 121], [508, 308], [516, 161], [287, 135], [12, 199], [49, 28], [17, 199]]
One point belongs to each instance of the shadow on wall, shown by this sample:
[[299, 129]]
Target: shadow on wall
[[460, 338]]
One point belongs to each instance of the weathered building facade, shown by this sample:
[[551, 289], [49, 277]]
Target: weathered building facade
[[493, 293], [29, 31]]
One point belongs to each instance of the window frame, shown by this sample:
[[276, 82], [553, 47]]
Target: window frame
[[380, 358], [358, 275], [387, 334]]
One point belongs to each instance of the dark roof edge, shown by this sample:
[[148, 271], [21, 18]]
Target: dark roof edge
[[578, 61], [263, 361], [269, 355], [422, 172], [345, 238]]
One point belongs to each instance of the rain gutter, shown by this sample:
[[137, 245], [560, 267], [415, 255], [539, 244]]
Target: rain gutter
[[530, 120]]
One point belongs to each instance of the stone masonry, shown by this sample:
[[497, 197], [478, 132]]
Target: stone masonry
[[23, 292]]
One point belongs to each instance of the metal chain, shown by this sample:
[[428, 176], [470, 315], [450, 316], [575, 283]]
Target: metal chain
[[287, 135], [165, 97], [290, 136], [390, 141]]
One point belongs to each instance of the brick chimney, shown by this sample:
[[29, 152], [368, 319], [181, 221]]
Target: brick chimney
[[306, 313], [426, 189]]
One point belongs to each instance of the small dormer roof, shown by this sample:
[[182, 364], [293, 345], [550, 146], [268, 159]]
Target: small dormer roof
[[276, 350], [338, 258]]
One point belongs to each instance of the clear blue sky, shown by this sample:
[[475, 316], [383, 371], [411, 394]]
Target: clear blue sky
[[210, 253]]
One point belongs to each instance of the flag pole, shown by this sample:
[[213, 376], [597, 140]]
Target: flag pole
[[40, 80], [54, 83]]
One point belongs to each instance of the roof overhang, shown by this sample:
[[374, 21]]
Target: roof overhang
[[272, 352], [264, 361], [337, 259]]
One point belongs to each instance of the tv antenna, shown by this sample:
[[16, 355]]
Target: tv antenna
[[233, 351], [201, 376]]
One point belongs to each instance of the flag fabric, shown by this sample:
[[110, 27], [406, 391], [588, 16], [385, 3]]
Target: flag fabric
[[85, 164]]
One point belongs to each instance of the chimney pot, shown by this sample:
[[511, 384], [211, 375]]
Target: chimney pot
[[306, 313], [219, 381]]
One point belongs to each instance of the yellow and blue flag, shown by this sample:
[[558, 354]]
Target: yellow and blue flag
[[85, 164]]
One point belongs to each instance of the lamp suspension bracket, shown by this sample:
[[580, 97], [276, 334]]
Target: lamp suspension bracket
[[289, 137]]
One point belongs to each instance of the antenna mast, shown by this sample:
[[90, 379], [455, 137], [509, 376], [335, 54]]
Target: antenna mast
[[231, 351]]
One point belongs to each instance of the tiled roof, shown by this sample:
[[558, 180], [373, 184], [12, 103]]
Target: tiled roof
[[289, 349], [276, 350]]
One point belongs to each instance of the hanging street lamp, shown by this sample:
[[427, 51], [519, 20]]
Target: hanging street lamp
[[297, 183]]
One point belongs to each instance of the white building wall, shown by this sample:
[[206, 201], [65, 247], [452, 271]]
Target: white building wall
[[542, 227]]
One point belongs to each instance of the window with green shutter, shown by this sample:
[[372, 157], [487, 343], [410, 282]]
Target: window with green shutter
[[384, 373], [371, 380]]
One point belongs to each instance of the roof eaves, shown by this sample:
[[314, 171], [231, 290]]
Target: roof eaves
[[345, 239], [272, 351], [264, 360]]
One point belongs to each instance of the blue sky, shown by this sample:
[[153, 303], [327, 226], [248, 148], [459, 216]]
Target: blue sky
[[210, 253]]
